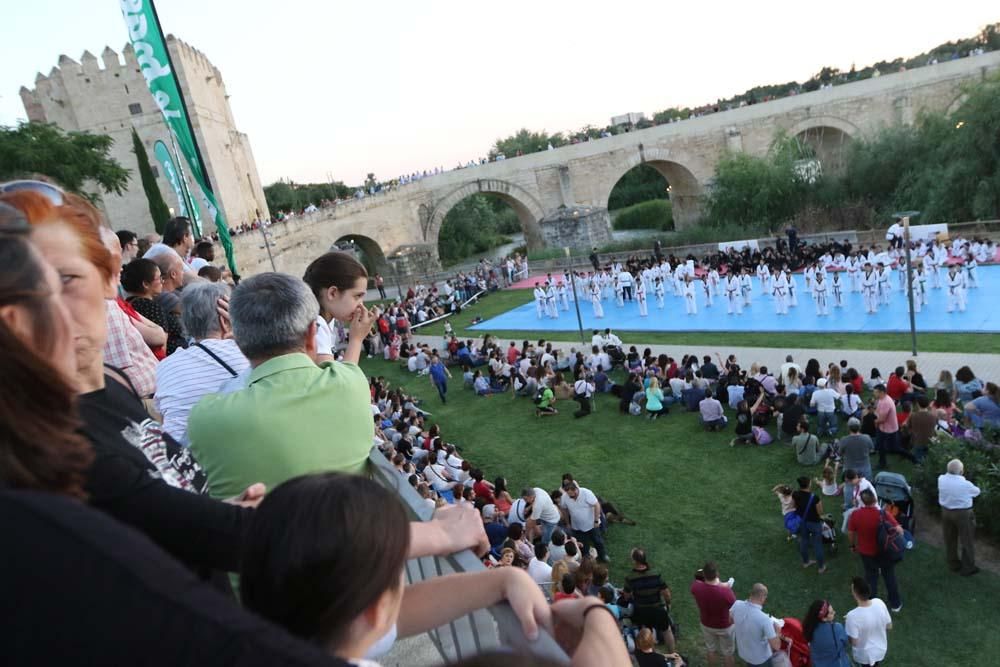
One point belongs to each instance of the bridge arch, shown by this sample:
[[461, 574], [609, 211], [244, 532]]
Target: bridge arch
[[529, 211], [367, 249], [685, 189], [828, 136], [957, 103]]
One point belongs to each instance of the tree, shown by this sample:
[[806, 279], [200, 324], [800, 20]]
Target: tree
[[71, 159], [473, 226], [639, 184], [526, 142], [158, 209]]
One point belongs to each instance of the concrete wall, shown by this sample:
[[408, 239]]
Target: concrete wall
[[94, 96]]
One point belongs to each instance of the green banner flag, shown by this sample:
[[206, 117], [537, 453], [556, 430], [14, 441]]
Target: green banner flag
[[151, 53], [170, 171]]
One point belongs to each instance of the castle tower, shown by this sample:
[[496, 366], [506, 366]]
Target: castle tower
[[107, 96]]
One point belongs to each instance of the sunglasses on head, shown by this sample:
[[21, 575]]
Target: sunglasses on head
[[51, 192]]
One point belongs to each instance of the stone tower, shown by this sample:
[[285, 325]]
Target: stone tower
[[108, 97]]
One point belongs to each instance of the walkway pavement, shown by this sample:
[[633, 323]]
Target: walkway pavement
[[930, 364]]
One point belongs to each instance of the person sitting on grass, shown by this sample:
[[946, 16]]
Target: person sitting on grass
[[808, 449], [546, 403], [645, 656], [654, 400], [480, 384], [712, 416], [744, 428]]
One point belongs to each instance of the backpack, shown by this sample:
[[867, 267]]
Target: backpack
[[891, 544], [539, 395]]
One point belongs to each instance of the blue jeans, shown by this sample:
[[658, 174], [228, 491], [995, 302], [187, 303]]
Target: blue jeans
[[811, 533], [873, 565], [827, 422], [547, 530], [442, 388]]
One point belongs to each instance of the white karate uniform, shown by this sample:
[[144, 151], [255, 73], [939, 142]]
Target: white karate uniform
[[764, 276], [918, 293], [793, 297], [837, 288], [820, 291], [708, 293], [539, 301], [619, 293], [595, 299], [563, 297], [780, 290], [854, 273], [690, 298], [640, 297], [921, 277], [551, 308], [956, 291], [746, 284], [883, 286], [869, 290], [809, 274], [930, 269], [735, 300], [715, 282], [659, 291], [971, 280]]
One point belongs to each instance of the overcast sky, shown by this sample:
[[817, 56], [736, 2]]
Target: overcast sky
[[338, 89]]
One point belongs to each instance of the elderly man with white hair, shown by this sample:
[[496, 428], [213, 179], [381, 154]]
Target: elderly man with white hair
[[187, 375], [955, 495]]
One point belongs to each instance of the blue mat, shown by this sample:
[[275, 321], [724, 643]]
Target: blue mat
[[982, 314]]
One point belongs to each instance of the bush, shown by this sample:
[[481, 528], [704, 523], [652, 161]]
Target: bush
[[982, 467], [653, 214]]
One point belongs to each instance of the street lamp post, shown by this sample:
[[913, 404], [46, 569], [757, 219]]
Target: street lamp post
[[576, 299]]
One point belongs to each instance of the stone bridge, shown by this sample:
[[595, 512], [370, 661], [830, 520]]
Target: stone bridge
[[561, 196]]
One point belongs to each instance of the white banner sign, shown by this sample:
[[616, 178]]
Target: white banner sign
[[928, 232], [739, 245]]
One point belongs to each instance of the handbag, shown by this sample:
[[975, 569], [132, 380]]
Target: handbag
[[795, 521]]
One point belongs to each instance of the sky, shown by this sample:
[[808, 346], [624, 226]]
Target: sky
[[335, 90]]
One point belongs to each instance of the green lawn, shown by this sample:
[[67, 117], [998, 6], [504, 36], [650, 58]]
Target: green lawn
[[501, 302], [696, 498]]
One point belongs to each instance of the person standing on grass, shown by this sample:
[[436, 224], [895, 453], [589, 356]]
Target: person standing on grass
[[439, 375], [582, 511], [867, 625], [714, 599], [862, 532], [810, 510], [650, 597], [955, 495], [827, 639], [824, 399], [756, 636], [887, 436], [583, 390]]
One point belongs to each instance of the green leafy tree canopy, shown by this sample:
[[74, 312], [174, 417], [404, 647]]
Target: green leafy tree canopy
[[71, 159]]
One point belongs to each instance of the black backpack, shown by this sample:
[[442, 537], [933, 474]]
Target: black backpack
[[539, 395]]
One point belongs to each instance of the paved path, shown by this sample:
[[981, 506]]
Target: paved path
[[930, 364]]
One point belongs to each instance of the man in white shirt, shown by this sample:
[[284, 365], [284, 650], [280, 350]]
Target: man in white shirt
[[867, 625], [538, 568], [583, 514], [955, 495], [788, 365], [611, 339], [597, 340], [187, 375], [583, 390], [824, 400], [543, 513]]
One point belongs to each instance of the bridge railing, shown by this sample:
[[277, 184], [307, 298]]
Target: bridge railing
[[495, 628]]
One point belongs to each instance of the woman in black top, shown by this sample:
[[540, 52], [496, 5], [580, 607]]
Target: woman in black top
[[141, 279], [810, 509], [140, 475]]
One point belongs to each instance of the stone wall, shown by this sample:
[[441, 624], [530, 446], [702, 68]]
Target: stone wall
[[577, 227], [111, 97]]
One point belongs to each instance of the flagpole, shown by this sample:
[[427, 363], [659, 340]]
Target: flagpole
[[180, 94]]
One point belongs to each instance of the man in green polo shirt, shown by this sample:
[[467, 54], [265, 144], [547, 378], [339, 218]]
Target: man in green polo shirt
[[293, 417]]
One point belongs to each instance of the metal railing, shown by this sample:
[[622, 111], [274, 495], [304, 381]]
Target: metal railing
[[495, 628]]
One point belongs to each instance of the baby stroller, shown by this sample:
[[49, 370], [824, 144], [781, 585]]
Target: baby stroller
[[894, 495], [829, 533]]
